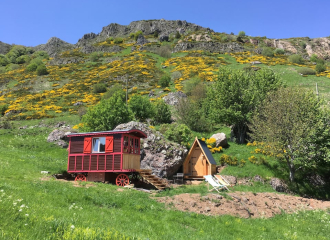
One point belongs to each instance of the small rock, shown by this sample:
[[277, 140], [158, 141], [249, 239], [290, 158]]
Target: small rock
[[207, 209], [62, 143], [45, 172], [205, 198], [221, 139], [77, 104], [257, 178], [278, 185]]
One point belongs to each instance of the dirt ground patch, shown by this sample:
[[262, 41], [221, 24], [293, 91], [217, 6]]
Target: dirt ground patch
[[242, 204]]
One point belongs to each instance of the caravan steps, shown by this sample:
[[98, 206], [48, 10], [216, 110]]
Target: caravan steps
[[147, 175]]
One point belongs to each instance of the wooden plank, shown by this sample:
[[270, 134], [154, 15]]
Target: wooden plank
[[117, 161], [77, 145], [131, 161]]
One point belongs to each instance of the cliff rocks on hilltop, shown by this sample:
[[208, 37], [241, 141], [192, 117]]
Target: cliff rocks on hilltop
[[54, 46]]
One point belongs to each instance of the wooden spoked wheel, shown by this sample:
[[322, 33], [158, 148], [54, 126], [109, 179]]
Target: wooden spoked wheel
[[81, 177], [122, 180]]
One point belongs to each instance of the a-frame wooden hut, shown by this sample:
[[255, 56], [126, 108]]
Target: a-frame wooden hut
[[199, 161]]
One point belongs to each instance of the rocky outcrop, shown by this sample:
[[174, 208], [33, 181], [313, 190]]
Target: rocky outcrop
[[54, 46], [221, 139], [148, 27], [4, 48], [59, 135], [173, 98], [209, 46], [89, 49], [141, 40], [161, 156], [59, 61], [278, 185]]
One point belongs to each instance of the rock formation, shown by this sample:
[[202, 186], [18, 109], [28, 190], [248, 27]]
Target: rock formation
[[161, 156]]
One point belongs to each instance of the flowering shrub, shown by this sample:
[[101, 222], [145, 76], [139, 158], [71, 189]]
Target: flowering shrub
[[226, 159]]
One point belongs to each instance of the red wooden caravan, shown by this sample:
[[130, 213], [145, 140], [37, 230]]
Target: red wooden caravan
[[95, 156]]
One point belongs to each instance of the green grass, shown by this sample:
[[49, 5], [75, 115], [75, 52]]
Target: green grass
[[59, 210]]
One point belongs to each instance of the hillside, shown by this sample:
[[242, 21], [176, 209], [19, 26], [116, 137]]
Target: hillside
[[52, 86], [178, 48]]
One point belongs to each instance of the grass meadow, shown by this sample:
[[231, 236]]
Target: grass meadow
[[37, 206]]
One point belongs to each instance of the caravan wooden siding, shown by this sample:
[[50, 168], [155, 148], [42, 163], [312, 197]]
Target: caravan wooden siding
[[109, 151]]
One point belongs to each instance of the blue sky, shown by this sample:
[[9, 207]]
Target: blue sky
[[33, 22]]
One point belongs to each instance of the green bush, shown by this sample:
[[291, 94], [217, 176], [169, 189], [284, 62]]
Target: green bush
[[42, 70], [99, 88], [162, 112], [141, 107], [156, 34], [179, 133], [302, 45], [3, 60], [190, 85], [241, 34], [279, 51], [34, 64], [31, 67], [268, 52], [224, 39], [135, 35], [5, 124], [16, 52], [12, 66], [115, 88], [306, 71], [118, 40], [41, 55], [314, 58], [164, 81], [320, 67], [23, 59], [109, 40], [296, 58], [177, 35], [164, 51], [95, 56], [3, 109]]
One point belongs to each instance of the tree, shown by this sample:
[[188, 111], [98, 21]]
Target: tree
[[141, 107], [233, 97], [293, 126], [190, 110], [241, 34], [107, 114]]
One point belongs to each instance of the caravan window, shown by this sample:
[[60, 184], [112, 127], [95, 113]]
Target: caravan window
[[99, 145]]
